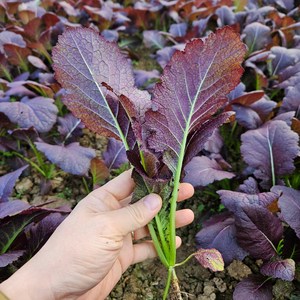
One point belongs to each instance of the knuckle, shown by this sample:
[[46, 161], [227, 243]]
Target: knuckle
[[137, 214]]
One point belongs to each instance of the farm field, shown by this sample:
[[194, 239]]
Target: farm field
[[202, 91]]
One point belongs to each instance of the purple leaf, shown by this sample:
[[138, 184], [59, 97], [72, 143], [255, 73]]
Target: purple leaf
[[283, 269], [115, 154], [69, 126], [39, 233], [263, 107], [164, 55], [257, 36], [7, 183], [153, 38], [178, 30], [214, 143], [193, 88], [237, 92], [270, 150], [9, 37], [37, 62], [83, 78], [39, 112], [211, 259], [289, 203], [291, 100], [221, 235], [8, 258], [226, 16], [201, 171], [25, 134], [72, 158], [258, 231], [141, 76], [286, 117], [253, 287], [246, 116], [12, 227], [12, 208], [289, 76], [249, 186], [284, 58], [110, 35], [234, 200]]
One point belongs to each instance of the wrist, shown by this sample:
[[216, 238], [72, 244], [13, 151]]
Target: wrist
[[26, 284]]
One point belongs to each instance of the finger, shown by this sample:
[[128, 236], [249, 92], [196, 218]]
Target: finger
[[186, 190], [147, 250], [119, 187], [137, 215], [184, 217], [141, 233]]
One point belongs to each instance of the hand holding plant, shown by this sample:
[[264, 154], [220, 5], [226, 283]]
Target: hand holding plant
[[90, 250], [161, 135]]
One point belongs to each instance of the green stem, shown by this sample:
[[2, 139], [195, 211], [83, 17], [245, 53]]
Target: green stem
[[86, 185], [156, 243], [168, 283], [30, 162], [36, 153], [162, 238], [186, 260]]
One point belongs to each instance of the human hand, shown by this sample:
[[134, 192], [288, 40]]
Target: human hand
[[90, 250]]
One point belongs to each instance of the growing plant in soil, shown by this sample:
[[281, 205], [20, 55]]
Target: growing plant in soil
[[161, 135]]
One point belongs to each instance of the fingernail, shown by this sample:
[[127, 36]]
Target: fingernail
[[152, 201]]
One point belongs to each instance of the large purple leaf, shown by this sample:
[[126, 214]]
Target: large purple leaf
[[221, 235], [72, 158], [39, 112], [115, 154], [83, 61], [234, 200], [289, 204], [283, 269], [202, 170], [13, 225], [258, 231], [253, 287], [10, 257], [270, 150], [7, 183], [194, 86]]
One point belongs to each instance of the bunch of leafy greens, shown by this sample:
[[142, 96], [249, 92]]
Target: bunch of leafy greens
[[162, 134]]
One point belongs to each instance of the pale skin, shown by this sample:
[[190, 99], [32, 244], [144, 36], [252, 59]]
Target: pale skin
[[88, 253]]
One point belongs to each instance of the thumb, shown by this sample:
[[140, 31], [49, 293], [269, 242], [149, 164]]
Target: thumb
[[137, 215]]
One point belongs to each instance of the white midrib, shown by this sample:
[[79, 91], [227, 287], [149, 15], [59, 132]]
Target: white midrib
[[121, 135]]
